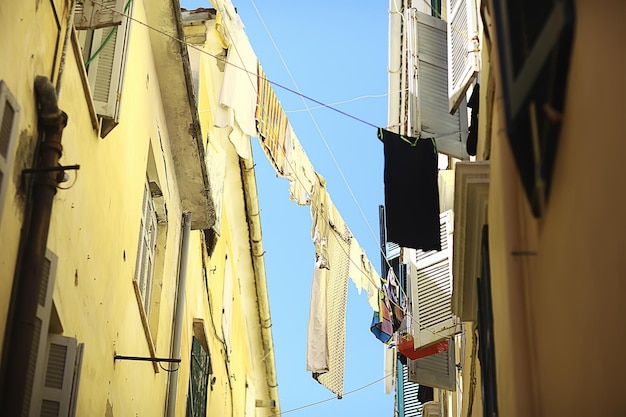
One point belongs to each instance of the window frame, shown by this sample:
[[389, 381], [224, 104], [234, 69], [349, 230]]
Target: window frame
[[107, 109], [6, 160], [146, 249]]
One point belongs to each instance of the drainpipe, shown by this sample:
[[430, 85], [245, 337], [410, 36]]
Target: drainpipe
[[51, 122], [179, 313], [271, 402], [68, 34]]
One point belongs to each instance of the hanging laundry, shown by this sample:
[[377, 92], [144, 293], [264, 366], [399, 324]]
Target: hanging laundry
[[382, 326], [272, 124], [392, 291], [329, 293], [472, 137], [363, 274], [299, 171], [238, 95], [411, 191]]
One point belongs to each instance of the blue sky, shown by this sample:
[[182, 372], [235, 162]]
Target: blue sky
[[337, 52]]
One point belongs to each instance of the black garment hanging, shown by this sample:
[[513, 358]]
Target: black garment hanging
[[411, 191], [472, 137], [425, 394]]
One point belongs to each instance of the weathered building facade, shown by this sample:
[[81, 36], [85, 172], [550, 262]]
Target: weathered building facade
[[131, 279]]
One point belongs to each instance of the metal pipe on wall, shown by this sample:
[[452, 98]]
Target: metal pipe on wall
[[179, 313], [21, 335]]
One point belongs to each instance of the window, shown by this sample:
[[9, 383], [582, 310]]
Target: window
[[425, 105], [9, 120], [486, 344], [408, 403], [534, 40], [463, 50], [104, 40], [430, 289], [55, 364], [198, 380], [60, 382], [146, 251], [437, 371]]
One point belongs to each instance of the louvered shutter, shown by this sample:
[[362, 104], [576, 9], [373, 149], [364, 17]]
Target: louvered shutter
[[426, 98], [105, 70], [94, 14], [36, 368], [408, 402], [437, 371], [463, 49], [431, 289], [9, 122], [58, 380], [198, 380]]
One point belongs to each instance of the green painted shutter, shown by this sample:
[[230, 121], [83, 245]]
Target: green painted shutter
[[198, 380]]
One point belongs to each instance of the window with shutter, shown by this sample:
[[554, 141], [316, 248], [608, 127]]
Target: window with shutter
[[146, 251], [534, 41], [60, 372], [407, 394], [426, 99], [486, 346], [437, 371], [104, 53], [463, 49], [36, 368], [9, 120], [430, 281], [198, 380]]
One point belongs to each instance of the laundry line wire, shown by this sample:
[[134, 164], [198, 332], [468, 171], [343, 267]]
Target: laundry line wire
[[334, 232], [332, 398], [189, 45], [219, 58], [324, 139]]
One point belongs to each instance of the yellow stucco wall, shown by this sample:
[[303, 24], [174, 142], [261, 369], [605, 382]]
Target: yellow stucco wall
[[95, 225], [558, 315]]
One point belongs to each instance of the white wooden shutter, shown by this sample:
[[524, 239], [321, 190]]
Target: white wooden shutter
[[437, 371], [9, 122], [94, 14], [105, 70], [430, 275], [36, 369], [426, 98], [463, 49], [58, 380]]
